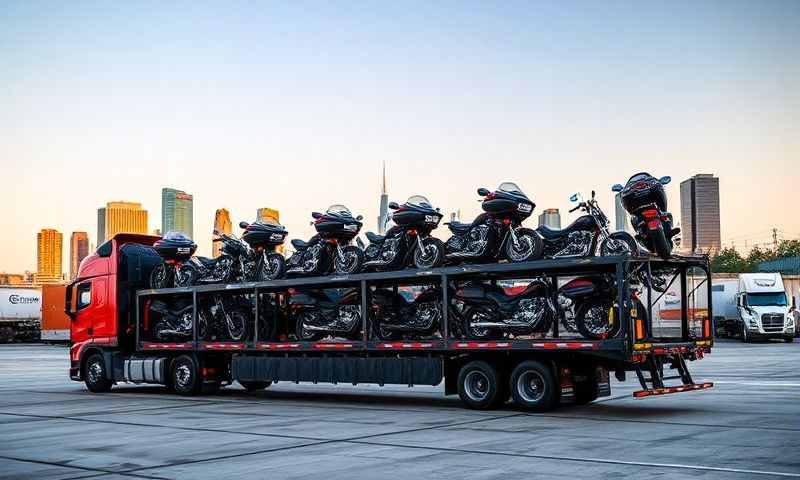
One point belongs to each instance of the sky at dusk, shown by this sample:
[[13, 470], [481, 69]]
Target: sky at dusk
[[295, 106]]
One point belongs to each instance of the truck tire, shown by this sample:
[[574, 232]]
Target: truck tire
[[94, 374], [479, 386], [745, 337], [534, 387], [185, 376], [254, 386]]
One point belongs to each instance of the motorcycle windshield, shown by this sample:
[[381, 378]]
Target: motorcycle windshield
[[639, 177], [176, 237], [419, 201], [338, 211], [512, 189]]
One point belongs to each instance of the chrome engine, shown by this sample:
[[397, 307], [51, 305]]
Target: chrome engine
[[577, 245], [471, 245]]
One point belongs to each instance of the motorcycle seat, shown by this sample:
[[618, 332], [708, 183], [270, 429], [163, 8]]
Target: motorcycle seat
[[458, 227], [299, 244], [375, 238], [554, 233], [206, 261]]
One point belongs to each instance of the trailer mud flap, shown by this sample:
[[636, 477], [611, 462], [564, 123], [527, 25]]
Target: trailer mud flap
[[401, 371]]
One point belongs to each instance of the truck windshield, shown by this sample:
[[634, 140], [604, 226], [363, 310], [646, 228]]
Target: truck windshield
[[766, 299]]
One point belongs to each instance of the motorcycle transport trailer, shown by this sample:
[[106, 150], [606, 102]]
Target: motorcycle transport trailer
[[113, 331]]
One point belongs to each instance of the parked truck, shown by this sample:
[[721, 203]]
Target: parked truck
[[117, 332], [753, 306], [20, 313]]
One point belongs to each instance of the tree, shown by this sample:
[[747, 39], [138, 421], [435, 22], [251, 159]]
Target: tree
[[757, 255], [788, 248], [728, 260]]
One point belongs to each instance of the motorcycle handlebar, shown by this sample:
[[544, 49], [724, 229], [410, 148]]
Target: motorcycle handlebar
[[573, 209]]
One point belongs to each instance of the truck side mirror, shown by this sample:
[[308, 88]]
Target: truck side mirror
[[483, 192], [616, 187]]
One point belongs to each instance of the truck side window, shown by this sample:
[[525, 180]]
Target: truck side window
[[84, 295]]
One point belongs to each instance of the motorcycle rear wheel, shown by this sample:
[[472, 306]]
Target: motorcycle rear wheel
[[302, 333], [592, 317], [238, 326], [618, 243]]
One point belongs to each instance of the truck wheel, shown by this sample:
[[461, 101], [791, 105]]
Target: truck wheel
[[533, 386], [479, 386], [94, 374], [745, 338], [254, 386], [185, 376]]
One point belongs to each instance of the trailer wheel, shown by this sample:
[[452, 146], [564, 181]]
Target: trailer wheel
[[94, 374], [254, 386], [534, 387], [479, 386], [185, 376]]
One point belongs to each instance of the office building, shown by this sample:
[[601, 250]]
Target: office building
[[383, 212], [222, 224], [176, 211], [48, 256], [622, 221], [78, 250], [550, 217], [700, 226], [120, 217]]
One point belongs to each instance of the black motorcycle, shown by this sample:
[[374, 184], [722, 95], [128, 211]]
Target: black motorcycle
[[496, 233], [409, 242], [172, 321], [394, 317], [329, 250], [488, 312], [581, 237], [644, 198], [263, 238], [329, 312], [224, 318], [594, 306], [176, 249]]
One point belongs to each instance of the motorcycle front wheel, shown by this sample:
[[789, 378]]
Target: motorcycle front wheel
[[618, 243], [238, 325], [529, 246], [597, 319], [162, 276], [273, 267], [351, 260], [431, 255]]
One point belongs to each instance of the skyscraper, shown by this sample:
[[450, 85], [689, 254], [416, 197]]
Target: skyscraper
[[48, 256], [222, 224], [78, 249], [622, 221], [383, 215], [120, 217], [176, 211], [550, 217], [700, 228]]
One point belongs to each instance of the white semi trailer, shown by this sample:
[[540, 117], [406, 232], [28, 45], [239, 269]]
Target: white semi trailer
[[20, 313], [752, 306]]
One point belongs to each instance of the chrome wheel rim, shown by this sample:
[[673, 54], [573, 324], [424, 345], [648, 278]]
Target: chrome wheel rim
[[183, 375], [270, 268], [183, 277], [159, 276], [428, 256], [94, 372], [236, 326], [348, 262], [522, 250], [596, 320], [476, 386], [616, 247], [531, 386]]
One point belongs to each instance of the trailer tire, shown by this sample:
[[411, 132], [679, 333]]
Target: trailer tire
[[534, 387], [185, 376], [254, 386], [94, 374], [479, 386]]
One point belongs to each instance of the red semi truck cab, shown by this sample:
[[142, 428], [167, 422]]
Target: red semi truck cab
[[101, 300]]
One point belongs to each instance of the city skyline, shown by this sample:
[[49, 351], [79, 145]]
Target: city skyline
[[453, 97]]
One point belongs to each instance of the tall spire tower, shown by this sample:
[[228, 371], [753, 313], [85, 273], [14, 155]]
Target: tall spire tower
[[383, 216]]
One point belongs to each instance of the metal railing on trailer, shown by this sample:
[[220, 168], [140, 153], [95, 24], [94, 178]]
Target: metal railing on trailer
[[623, 268]]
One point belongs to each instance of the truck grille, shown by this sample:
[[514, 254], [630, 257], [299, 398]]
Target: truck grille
[[772, 322]]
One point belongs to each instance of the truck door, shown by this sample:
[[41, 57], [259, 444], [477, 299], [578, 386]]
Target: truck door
[[91, 313]]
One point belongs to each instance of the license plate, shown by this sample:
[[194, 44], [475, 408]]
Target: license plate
[[276, 237], [524, 207], [431, 219], [183, 250]]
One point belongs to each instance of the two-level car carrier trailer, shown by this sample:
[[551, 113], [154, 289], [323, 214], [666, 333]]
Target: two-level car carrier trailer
[[112, 333]]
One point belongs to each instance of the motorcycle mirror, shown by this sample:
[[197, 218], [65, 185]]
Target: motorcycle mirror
[[616, 187], [394, 205], [483, 192], [359, 218], [316, 215], [574, 197], [593, 194], [665, 180], [243, 225], [437, 209]]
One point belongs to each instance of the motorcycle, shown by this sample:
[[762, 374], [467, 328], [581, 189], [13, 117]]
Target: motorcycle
[[497, 232], [227, 317], [644, 198], [266, 263], [409, 241], [173, 321], [182, 269], [395, 318], [593, 301], [320, 313], [175, 249], [580, 238], [488, 312], [325, 253]]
